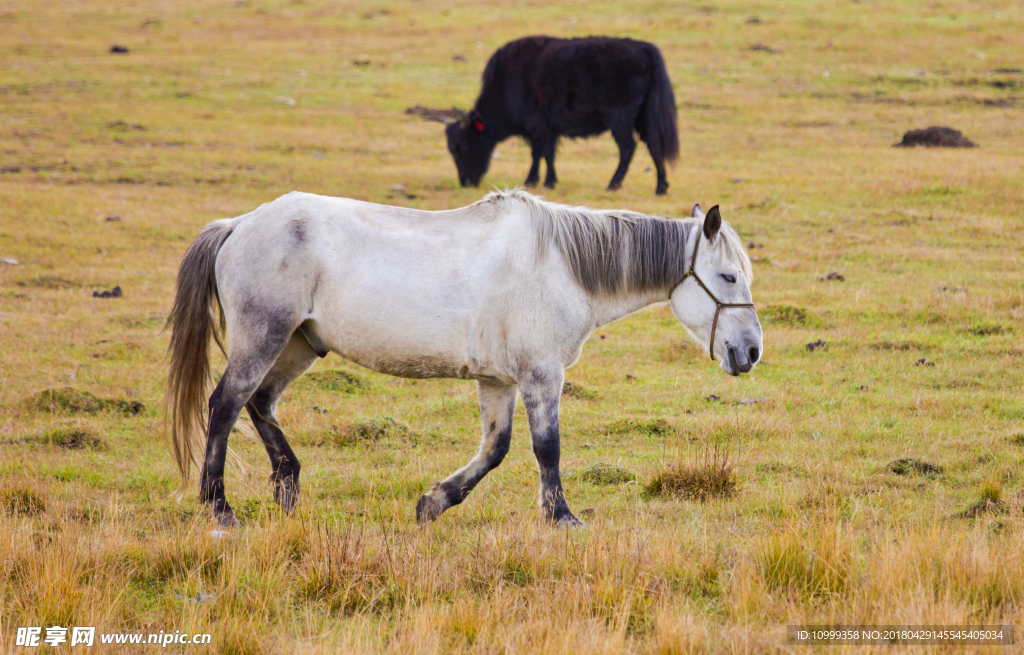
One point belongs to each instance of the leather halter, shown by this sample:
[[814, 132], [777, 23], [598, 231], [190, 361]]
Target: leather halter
[[692, 272]]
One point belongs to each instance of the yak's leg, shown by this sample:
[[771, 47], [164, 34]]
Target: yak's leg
[[659, 164], [542, 392], [550, 179], [248, 364], [534, 175], [627, 146], [296, 358], [497, 406]]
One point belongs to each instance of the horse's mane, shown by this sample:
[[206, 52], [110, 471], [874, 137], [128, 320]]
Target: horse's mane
[[610, 251]]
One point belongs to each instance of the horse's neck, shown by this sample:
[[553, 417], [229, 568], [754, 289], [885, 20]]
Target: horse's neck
[[611, 308]]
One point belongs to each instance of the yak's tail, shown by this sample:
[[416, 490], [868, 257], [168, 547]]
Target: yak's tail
[[662, 134], [193, 324]]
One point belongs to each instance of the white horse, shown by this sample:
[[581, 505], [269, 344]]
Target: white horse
[[504, 292]]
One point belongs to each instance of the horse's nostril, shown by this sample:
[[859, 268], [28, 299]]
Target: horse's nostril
[[752, 354]]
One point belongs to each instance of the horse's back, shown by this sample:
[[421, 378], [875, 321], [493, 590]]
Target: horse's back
[[401, 291]]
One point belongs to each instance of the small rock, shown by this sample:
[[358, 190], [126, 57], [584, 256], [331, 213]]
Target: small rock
[[200, 599], [630, 377], [219, 534], [458, 58], [753, 20], [113, 219], [923, 362], [713, 397], [750, 401], [119, 49], [284, 100], [10, 261], [113, 293]]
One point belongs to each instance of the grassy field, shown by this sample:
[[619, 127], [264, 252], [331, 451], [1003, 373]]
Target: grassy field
[[787, 114]]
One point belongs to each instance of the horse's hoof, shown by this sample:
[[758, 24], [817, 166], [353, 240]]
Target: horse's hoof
[[569, 521], [549, 185], [286, 495], [227, 520], [662, 190], [529, 184], [428, 509], [614, 186]]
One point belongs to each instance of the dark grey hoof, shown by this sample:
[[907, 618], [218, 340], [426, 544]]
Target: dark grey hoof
[[227, 519], [614, 186], [286, 494], [661, 190], [428, 508], [565, 519], [550, 185], [529, 184]]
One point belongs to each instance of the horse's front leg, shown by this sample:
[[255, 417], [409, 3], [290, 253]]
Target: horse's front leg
[[542, 392], [497, 406]]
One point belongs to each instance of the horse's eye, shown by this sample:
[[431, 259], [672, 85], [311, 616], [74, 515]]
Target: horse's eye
[[731, 279]]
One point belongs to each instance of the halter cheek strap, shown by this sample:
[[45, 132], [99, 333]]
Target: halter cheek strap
[[719, 305]]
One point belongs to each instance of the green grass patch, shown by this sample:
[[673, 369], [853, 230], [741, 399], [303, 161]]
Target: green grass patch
[[69, 400], [607, 474]]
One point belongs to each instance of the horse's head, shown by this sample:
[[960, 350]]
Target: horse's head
[[471, 145], [715, 305]]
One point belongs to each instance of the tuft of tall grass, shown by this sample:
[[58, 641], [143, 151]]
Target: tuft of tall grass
[[817, 561], [711, 474]]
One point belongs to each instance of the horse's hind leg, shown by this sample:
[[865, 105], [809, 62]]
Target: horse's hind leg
[[296, 358], [497, 406], [249, 362]]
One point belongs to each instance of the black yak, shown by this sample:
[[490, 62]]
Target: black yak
[[542, 88]]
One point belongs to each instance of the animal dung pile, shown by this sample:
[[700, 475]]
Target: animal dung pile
[[909, 466], [935, 137], [112, 293]]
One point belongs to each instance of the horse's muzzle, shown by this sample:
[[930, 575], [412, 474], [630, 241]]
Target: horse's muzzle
[[740, 361]]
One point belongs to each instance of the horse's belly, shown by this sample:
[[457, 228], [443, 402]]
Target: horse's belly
[[430, 359]]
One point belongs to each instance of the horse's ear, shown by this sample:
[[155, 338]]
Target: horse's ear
[[697, 212], [712, 223]]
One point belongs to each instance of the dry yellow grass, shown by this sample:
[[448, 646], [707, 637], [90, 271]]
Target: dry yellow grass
[[922, 357]]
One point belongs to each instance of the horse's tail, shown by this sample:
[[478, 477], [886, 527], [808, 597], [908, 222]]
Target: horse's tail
[[193, 324], [662, 135]]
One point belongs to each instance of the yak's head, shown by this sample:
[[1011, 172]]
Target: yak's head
[[471, 145]]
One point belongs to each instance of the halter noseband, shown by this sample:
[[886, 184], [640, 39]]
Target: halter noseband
[[692, 272]]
